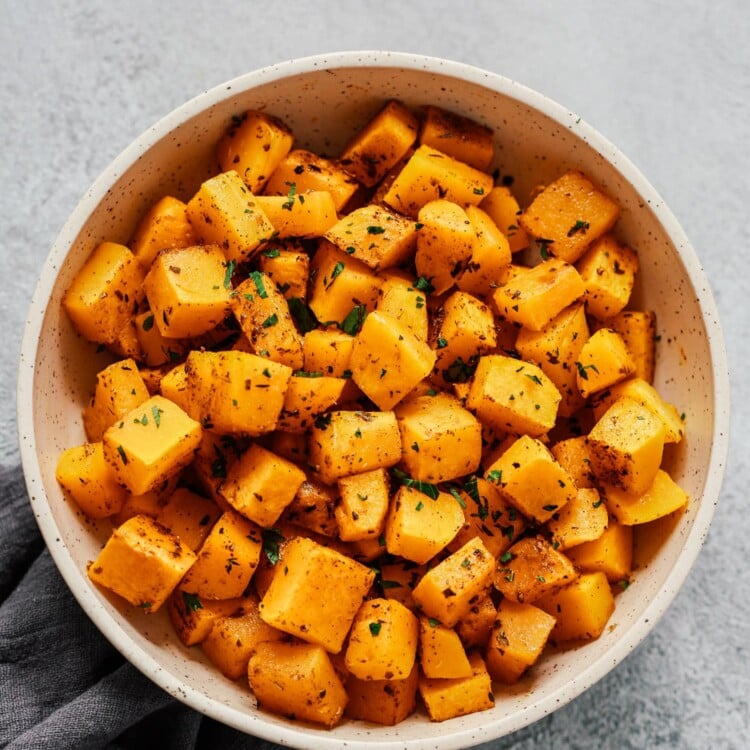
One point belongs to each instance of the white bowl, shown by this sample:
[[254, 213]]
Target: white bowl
[[324, 99]]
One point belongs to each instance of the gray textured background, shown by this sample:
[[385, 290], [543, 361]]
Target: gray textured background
[[667, 81]]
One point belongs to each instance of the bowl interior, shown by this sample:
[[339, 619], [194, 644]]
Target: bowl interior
[[325, 100]]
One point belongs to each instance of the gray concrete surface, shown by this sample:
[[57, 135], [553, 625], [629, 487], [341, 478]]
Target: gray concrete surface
[[668, 81]]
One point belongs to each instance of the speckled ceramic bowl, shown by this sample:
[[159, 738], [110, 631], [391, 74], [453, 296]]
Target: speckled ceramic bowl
[[324, 99]]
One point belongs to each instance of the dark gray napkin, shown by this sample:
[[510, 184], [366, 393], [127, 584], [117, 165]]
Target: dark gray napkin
[[62, 685]]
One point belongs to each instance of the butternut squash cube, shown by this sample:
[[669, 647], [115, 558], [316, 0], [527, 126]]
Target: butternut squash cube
[[364, 502], [464, 330], [638, 330], [254, 146], [386, 702], [644, 393], [513, 396], [305, 215], [236, 392], [309, 172], [378, 237], [264, 317], [626, 446], [573, 455], [458, 136], [402, 300], [193, 617], [381, 144], [327, 350], [581, 609], [225, 212], [556, 349], [502, 207], [489, 516], [662, 497], [297, 680], [608, 271], [352, 442], [84, 474], [531, 479], [490, 256], [104, 293], [517, 640], [383, 641], [227, 560], [164, 225], [142, 562], [288, 267], [602, 362], [234, 638], [188, 290], [441, 653], [430, 174], [475, 626], [611, 553], [261, 485], [151, 443], [582, 519], [569, 214], [313, 509], [531, 568], [534, 297], [339, 283], [388, 360], [316, 593], [440, 439], [418, 526], [307, 396], [189, 516], [447, 591], [148, 504], [446, 699], [155, 349], [398, 579], [119, 389], [444, 243]]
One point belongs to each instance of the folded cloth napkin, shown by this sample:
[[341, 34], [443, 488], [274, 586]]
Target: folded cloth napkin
[[62, 685]]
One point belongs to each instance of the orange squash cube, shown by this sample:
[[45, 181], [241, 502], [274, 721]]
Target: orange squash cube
[[502, 207], [193, 617], [517, 640], [569, 214], [288, 266], [315, 593], [297, 679], [260, 485], [490, 256], [360, 514], [305, 215], [254, 146], [458, 136], [418, 526], [603, 361], [386, 702], [188, 290], [164, 225], [638, 330], [189, 516], [611, 553], [227, 560], [447, 591], [151, 443], [441, 653], [142, 562], [401, 299], [582, 519], [662, 497], [383, 641], [381, 144]]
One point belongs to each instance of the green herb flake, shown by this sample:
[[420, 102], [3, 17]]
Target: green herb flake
[[230, 266], [431, 490], [441, 343], [273, 252], [431, 392], [579, 226], [260, 286], [337, 269], [148, 323], [156, 413], [375, 230], [386, 584], [302, 315], [354, 320], [375, 628], [466, 563], [288, 204], [271, 320], [534, 378], [271, 541], [192, 602], [423, 285], [123, 455], [495, 476], [419, 506], [457, 496], [582, 370]]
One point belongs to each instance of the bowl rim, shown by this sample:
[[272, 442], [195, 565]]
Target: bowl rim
[[297, 735]]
